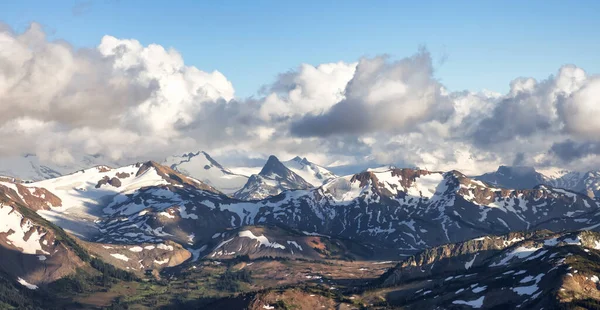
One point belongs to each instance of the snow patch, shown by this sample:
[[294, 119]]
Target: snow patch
[[477, 303], [120, 256], [470, 263], [261, 239], [27, 284]]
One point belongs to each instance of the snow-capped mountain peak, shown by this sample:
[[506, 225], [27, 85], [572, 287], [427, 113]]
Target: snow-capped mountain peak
[[200, 165], [274, 178], [310, 172]]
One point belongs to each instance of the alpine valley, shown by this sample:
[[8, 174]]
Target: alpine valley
[[189, 233]]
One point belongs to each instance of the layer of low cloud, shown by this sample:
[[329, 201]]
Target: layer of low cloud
[[124, 101]]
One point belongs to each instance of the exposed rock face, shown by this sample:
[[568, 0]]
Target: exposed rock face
[[273, 179], [276, 242], [397, 211], [173, 177], [35, 198], [451, 258], [30, 250], [519, 270], [514, 177], [114, 181], [401, 211], [141, 257], [587, 183], [122, 175]]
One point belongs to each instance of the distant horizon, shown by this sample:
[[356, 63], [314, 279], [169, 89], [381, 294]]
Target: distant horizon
[[339, 170], [443, 85]]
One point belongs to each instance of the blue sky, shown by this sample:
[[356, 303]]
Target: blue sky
[[475, 44]]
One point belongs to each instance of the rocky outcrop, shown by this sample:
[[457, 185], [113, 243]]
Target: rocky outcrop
[[273, 179], [520, 270], [36, 198], [174, 177], [31, 250], [140, 257]]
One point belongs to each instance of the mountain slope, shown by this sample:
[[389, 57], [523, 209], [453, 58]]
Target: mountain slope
[[519, 270], [276, 242], [401, 211], [310, 172], [514, 177], [31, 168], [202, 167], [146, 217], [85, 194], [78, 206], [587, 183], [527, 177], [273, 179]]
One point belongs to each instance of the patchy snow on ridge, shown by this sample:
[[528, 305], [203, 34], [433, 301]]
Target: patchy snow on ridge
[[17, 227], [84, 197], [477, 303], [261, 239], [470, 263], [520, 252]]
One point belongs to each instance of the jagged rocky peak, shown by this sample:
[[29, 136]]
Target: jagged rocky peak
[[398, 179], [274, 167], [191, 156], [273, 179], [276, 170], [300, 160]]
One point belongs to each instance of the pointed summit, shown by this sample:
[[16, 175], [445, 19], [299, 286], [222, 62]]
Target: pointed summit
[[274, 166], [274, 178]]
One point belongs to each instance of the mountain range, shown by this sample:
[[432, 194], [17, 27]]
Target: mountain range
[[527, 177], [380, 238]]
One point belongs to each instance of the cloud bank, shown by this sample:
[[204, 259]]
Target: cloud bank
[[125, 101]]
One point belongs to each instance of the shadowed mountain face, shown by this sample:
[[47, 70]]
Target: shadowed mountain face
[[31, 251], [536, 270], [587, 183], [514, 177], [273, 179]]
